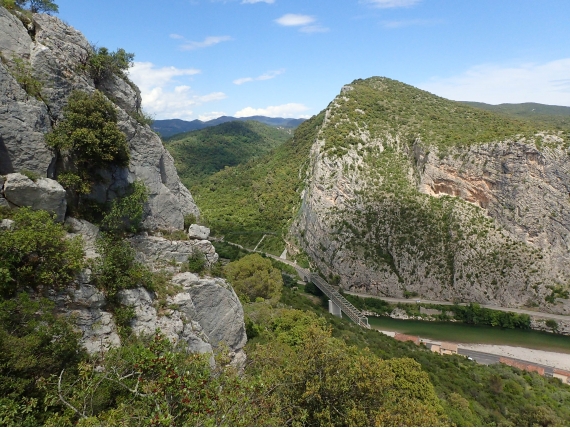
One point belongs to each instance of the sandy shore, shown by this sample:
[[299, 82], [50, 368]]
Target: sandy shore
[[547, 358]]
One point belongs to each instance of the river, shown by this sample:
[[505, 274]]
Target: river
[[466, 333]]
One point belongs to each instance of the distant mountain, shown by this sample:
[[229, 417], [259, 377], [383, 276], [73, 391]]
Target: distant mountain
[[558, 116], [169, 127], [198, 154]]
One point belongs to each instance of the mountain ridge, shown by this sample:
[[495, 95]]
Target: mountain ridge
[[169, 127]]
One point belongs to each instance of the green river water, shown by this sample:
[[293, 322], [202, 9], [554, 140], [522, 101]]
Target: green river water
[[466, 333]]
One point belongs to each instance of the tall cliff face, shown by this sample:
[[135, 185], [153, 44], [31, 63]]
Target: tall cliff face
[[411, 193], [54, 53]]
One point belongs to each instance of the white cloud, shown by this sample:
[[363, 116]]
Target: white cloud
[[284, 110], [388, 4], [163, 96], [176, 36], [303, 21], [409, 23], [257, 1], [212, 115], [294, 20], [189, 45], [266, 76], [546, 83], [147, 76]]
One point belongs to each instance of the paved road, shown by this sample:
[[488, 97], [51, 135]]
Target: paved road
[[485, 358], [439, 302]]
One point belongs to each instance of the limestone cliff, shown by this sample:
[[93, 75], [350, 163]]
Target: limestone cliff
[[411, 194], [54, 53], [201, 314]]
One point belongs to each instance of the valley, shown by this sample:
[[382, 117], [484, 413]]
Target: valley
[[178, 280]]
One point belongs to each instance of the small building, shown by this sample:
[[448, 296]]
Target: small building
[[448, 348], [435, 348], [405, 338], [563, 375]]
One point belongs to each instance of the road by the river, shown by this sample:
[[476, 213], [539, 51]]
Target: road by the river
[[439, 302]]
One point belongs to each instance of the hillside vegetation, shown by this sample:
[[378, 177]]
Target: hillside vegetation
[[261, 196], [199, 154], [545, 115], [170, 127], [369, 212]]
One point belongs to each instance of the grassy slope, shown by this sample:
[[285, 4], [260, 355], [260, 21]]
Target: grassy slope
[[552, 116], [261, 196], [198, 154]]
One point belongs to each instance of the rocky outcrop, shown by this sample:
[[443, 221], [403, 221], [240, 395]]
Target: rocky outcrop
[[196, 231], [389, 214], [202, 314], [57, 54], [161, 252], [205, 314], [42, 194]]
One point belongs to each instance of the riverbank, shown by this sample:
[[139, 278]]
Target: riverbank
[[546, 358]]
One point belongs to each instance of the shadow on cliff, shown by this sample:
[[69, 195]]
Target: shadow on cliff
[[6, 166]]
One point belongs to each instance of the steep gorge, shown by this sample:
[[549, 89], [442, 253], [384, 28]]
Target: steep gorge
[[411, 194]]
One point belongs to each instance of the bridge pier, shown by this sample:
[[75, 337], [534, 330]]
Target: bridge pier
[[334, 309]]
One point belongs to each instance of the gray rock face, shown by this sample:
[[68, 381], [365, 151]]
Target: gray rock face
[[57, 56], [16, 41], [216, 307], [198, 232], [85, 304], [44, 194], [158, 252], [23, 122], [488, 223]]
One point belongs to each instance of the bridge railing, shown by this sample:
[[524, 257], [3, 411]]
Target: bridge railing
[[348, 308]]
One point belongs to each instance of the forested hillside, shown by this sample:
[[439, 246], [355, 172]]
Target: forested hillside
[[199, 154], [547, 115], [261, 196]]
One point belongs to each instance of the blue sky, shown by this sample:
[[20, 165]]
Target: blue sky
[[199, 59]]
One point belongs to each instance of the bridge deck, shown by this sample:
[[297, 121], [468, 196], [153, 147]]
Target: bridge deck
[[337, 298]]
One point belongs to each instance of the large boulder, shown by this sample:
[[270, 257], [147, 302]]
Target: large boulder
[[160, 252], [196, 231], [42, 194], [213, 303]]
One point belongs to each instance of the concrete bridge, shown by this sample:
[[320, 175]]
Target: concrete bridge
[[337, 303]]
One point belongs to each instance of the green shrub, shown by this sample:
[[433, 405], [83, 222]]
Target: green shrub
[[143, 118], [35, 6], [196, 262], [126, 212], [116, 269], [89, 137], [23, 73], [552, 324], [101, 64], [254, 276], [36, 253], [189, 219], [34, 176], [34, 344]]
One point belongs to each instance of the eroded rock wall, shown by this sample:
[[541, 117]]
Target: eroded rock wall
[[487, 223], [57, 54]]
